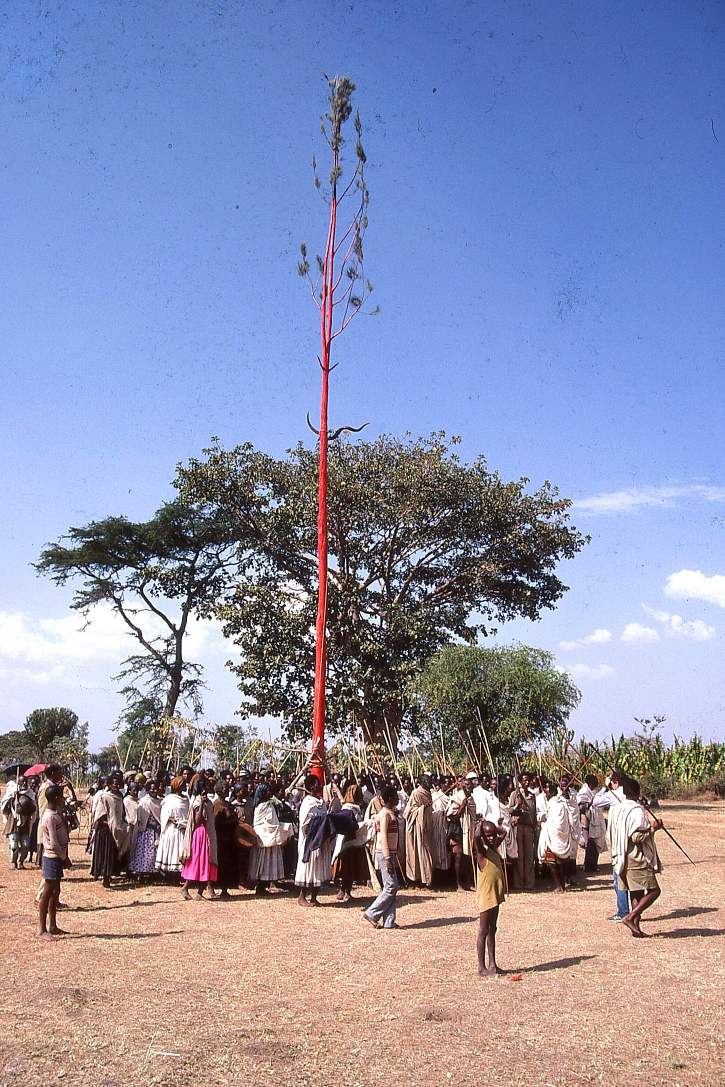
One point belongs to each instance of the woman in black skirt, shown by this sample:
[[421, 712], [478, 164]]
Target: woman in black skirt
[[109, 834], [228, 855]]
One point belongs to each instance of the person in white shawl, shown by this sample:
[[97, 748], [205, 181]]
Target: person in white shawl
[[635, 856], [266, 863], [615, 795], [148, 826], [403, 797], [313, 873], [490, 809], [5, 805], [594, 828], [568, 791], [110, 834], [130, 808], [558, 836], [174, 817]]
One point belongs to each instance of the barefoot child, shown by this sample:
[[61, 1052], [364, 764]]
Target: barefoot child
[[489, 893], [55, 858]]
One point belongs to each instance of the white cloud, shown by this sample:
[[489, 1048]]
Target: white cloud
[[636, 632], [24, 638], [696, 630], [103, 637], [591, 671], [635, 498], [694, 585], [598, 637], [29, 676]]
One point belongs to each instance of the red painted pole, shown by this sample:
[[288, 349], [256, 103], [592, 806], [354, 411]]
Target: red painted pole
[[326, 313]]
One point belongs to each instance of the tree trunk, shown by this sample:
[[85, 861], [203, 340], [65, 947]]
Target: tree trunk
[[383, 728]]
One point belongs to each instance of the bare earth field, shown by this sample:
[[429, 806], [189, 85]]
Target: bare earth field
[[151, 990]]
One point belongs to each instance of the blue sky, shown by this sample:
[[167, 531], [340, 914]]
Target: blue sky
[[546, 245]]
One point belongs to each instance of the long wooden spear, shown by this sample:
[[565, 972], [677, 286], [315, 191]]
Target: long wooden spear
[[645, 806], [485, 739]]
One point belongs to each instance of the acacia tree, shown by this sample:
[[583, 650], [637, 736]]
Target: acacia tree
[[155, 575], [45, 727], [340, 290], [502, 698], [423, 548]]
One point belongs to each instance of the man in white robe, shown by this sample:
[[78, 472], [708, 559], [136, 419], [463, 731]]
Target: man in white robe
[[481, 796], [490, 809], [637, 861], [557, 836], [594, 828], [615, 794]]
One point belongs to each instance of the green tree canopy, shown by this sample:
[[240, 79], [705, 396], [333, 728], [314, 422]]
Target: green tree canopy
[[423, 548], [507, 696], [16, 746], [228, 744], [155, 575], [71, 751], [106, 759], [45, 727]]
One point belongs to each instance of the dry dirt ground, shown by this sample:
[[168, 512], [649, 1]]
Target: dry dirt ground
[[149, 990]]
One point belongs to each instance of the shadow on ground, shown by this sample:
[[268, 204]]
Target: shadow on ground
[[683, 933], [442, 922], [122, 935], [555, 964], [687, 911]]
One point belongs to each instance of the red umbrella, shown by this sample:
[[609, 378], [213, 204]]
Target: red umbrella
[[37, 770]]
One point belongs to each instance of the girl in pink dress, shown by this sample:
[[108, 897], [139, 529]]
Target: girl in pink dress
[[199, 851]]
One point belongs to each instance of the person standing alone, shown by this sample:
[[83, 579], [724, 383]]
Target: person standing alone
[[54, 836], [386, 856]]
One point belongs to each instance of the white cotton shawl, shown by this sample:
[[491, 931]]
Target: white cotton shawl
[[556, 832], [365, 833], [631, 818], [585, 795], [111, 806], [483, 799], [96, 803], [576, 827], [267, 826], [597, 829], [174, 809], [147, 807]]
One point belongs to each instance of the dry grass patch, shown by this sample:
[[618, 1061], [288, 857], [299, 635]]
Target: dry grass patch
[[148, 989]]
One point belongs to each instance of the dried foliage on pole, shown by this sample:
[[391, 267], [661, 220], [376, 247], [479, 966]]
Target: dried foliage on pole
[[339, 292]]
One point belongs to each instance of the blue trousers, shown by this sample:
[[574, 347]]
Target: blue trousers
[[622, 897], [383, 908]]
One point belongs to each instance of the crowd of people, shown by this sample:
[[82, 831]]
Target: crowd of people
[[211, 832]]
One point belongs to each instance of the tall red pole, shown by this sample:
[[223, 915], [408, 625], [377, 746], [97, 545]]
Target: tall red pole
[[326, 313]]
